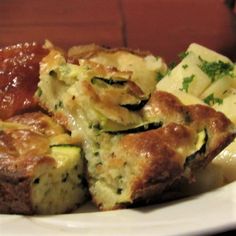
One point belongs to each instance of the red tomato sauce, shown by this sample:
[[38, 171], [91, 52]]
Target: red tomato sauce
[[19, 76]]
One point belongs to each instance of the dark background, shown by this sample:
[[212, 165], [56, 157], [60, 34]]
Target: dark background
[[164, 27]]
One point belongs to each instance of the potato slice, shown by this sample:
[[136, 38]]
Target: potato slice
[[206, 53], [219, 88], [178, 77], [228, 107]]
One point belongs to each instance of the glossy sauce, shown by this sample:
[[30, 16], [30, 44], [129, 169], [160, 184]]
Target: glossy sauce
[[19, 76]]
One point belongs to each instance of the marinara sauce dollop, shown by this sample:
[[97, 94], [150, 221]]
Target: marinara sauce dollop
[[19, 76]]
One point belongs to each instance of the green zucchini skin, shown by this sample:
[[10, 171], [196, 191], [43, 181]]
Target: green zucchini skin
[[137, 129], [64, 145], [135, 107], [191, 158], [109, 81]]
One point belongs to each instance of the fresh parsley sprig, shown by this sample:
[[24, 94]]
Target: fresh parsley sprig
[[160, 76], [186, 82], [216, 69], [182, 55], [211, 100]]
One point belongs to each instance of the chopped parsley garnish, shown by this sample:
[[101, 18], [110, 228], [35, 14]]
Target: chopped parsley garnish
[[211, 100], [182, 55], [216, 69], [172, 65], [160, 76], [185, 66], [186, 82], [58, 105]]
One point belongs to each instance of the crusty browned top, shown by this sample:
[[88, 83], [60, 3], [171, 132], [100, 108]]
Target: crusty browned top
[[159, 156], [162, 151], [21, 151], [38, 122], [25, 146], [149, 161], [168, 108], [92, 50]]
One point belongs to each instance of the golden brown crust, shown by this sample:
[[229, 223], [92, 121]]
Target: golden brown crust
[[156, 154], [204, 115], [91, 50], [160, 159], [154, 160], [165, 106], [149, 161], [170, 109], [21, 152], [219, 128], [38, 122], [220, 131]]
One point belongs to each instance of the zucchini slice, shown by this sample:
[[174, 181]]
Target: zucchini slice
[[200, 148], [65, 150], [109, 81], [137, 106], [136, 129]]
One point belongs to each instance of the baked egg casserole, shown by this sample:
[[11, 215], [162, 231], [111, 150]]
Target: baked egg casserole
[[140, 144], [41, 167]]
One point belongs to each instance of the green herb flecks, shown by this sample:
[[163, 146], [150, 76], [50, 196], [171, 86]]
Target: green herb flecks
[[185, 66], [160, 76], [186, 82], [211, 100], [182, 55], [59, 105], [172, 65], [216, 69]]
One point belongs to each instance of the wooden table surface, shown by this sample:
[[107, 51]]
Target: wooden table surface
[[164, 27]]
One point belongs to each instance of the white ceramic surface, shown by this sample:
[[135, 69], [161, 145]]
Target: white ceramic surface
[[206, 213]]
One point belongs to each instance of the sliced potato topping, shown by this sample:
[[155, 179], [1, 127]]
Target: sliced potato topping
[[213, 83]]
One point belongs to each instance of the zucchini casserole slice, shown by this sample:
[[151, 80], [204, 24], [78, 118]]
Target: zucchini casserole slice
[[41, 167], [139, 146]]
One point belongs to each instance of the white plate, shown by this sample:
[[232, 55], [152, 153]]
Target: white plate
[[205, 213]]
